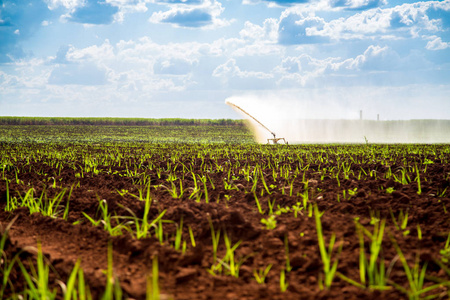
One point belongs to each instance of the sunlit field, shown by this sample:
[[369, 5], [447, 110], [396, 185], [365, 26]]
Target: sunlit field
[[118, 209]]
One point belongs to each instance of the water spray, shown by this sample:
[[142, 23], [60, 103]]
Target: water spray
[[275, 140]]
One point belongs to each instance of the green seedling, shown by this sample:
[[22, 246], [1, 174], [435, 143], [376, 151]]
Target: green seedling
[[401, 222], [297, 208], [261, 274], [215, 237], [329, 266], [179, 243], [270, 222], [142, 227], [271, 205], [6, 265], [352, 192], [445, 252], [112, 287], [305, 195], [283, 284], [390, 190], [37, 281], [372, 273], [43, 205], [152, 281], [229, 261], [419, 187], [419, 232], [416, 276], [71, 290], [106, 220], [191, 235], [264, 182], [227, 265], [441, 193], [258, 204]]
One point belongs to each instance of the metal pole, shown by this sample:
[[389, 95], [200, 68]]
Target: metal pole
[[252, 118]]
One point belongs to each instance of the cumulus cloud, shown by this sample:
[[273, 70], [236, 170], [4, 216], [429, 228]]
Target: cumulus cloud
[[296, 29], [410, 20], [184, 18], [231, 69], [93, 12], [305, 69], [357, 4], [180, 1], [68, 4], [193, 14], [437, 44], [374, 58], [323, 4], [97, 12], [267, 32]]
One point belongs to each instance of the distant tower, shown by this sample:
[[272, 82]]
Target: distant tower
[[378, 117], [360, 114]]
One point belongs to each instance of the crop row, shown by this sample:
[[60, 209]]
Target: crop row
[[279, 183], [117, 121]]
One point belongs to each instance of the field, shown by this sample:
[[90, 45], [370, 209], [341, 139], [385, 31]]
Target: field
[[202, 212]]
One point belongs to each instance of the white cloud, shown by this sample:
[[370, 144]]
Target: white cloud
[[231, 69], [69, 4], [204, 15], [364, 60], [437, 44], [267, 32], [304, 69], [92, 53], [298, 25], [259, 48], [321, 5], [128, 7]]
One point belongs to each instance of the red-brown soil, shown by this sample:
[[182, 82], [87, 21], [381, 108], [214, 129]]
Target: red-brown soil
[[186, 276]]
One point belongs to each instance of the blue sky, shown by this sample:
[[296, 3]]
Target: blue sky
[[183, 58]]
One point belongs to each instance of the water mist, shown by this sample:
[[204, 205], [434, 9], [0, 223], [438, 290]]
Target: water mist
[[325, 120]]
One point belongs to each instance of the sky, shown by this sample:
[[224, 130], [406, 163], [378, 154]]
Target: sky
[[185, 58]]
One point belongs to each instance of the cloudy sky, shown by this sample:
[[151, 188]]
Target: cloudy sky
[[183, 58]]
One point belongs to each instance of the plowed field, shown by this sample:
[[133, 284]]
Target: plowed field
[[229, 221]]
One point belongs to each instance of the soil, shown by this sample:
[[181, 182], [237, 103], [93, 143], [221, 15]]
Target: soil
[[186, 276]]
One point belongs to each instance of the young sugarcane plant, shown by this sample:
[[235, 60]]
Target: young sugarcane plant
[[261, 274], [6, 265], [37, 281], [371, 273], [415, 275], [329, 267]]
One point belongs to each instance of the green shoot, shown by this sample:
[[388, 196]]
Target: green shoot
[[415, 276], [191, 235], [270, 222], [261, 274], [152, 281], [258, 204], [283, 284], [37, 281], [445, 252], [329, 267]]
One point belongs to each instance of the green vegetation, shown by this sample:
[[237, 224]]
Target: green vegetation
[[211, 166], [112, 134], [117, 121]]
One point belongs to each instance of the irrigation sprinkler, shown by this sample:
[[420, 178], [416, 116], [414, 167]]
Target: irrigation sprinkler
[[275, 140]]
